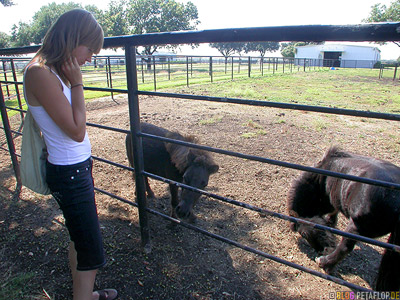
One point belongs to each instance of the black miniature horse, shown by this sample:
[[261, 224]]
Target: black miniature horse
[[176, 162], [372, 211]]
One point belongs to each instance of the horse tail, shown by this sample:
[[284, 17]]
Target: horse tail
[[389, 269]]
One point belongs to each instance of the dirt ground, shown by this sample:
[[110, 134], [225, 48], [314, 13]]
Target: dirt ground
[[184, 264]]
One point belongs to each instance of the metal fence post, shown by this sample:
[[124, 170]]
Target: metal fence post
[[5, 77], [134, 116], [109, 76], [249, 68], [187, 71], [16, 87], [169, 68], [262, 65], [211, 70], [154, 73], [11, 146], [232, 68], [141, 64]]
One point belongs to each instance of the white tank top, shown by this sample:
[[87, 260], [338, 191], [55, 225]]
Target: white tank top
[[61, 148]]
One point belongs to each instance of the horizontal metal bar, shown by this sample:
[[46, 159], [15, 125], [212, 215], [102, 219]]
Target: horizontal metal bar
[[306, 33], [321, 109], [108, 128], [122, 91], [112, 163], [373, 32]]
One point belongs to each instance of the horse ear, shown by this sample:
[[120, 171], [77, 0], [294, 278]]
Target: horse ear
[[213, 168]]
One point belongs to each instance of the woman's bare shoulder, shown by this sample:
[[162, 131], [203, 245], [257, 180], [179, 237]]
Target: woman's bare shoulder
[[38, 76], [35, 70]]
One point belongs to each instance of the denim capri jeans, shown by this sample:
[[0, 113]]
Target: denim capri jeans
[[72, 187]]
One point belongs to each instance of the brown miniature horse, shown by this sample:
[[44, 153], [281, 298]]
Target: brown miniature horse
[[372, 211], [176, 162]]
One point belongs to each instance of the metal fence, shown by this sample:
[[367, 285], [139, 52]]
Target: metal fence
[[157, 71], [365, 32]]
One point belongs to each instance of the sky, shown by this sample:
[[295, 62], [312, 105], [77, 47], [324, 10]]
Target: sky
[[218, 14]]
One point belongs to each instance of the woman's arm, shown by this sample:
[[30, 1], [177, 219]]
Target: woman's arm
[[44, 88]]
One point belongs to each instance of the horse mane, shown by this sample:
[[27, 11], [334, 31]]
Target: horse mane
[[307, 181], [303, 183], [181, 156], [332, 152]]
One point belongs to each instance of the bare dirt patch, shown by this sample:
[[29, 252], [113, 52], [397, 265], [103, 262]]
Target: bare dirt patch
[[184, 264]]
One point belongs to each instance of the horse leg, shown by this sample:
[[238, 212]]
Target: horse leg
[[328, 262], [389, 270], [150, 193], [174, 199], [331, 218]]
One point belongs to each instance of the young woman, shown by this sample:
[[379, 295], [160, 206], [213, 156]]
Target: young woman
[[54, 93]]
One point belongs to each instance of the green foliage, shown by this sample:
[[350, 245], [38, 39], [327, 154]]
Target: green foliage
[[25, 34], [150, 16], [115, 19], [45, 17], [6, 2], [16, 286], [213, 120], [289, 49], [261, 47], [228, 49], [122, 17], [381, 13], [5, 40], [20, 35]]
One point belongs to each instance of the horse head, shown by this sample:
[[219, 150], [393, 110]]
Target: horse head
[[306, 198], [195, 167], [199, 167]]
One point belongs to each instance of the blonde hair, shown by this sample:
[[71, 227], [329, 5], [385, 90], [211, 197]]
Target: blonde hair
[[74, 28]]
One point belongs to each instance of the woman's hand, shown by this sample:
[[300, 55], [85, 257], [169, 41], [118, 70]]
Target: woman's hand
[[72, 70]]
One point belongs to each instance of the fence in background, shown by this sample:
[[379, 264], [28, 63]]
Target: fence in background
[[158, 71]]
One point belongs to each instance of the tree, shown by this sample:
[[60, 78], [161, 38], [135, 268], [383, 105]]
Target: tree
[[115, 19], [20, 35], [381, 13], [6, 2], [5, 40], [261, 47], [289, 49], [25, 34], [45, 17], [150, 16], [227, 49]]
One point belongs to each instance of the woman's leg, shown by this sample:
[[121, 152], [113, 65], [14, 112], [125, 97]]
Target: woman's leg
[[83, 281]]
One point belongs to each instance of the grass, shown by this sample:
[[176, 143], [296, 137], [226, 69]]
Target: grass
[[358, 89], [210, 121], [15, 285]]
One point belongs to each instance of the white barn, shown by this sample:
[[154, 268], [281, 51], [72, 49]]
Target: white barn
[[337, 55]]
